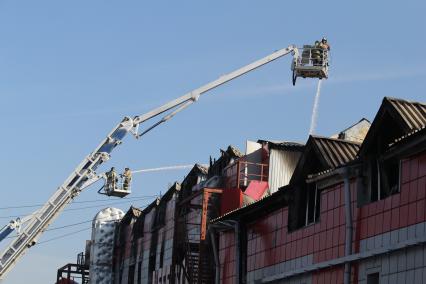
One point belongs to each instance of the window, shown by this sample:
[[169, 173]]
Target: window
[[160, 217], [131, 274], [373, 278], [162, 251], [389, 177], [312, 204], [140, 272], [384, 178]]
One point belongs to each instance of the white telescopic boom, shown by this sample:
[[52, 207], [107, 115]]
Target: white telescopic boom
[[85, 173]]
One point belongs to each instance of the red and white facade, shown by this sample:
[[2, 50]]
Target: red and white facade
[[278, 241]]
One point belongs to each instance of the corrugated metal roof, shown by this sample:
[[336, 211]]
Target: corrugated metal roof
[[132, 212], [407, 117], [322, 173], [336, 152], [282, 144], [413, 113], [402, 138], [203, 169], [234, 151]]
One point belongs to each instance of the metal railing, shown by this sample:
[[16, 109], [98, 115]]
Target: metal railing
[[239, 174], [313, 56]]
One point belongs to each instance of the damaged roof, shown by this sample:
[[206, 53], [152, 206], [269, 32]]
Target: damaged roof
[[419, 131], [287, 145], [196, 170], [332, 152], [257, 208], [395, 118], [412, 113], [203, 169], [336, 152], [233, 151], [133, 212]]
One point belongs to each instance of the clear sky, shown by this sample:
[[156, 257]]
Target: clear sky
[[70, 70]]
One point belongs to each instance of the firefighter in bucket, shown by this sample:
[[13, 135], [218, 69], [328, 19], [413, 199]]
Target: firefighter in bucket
[[111, 180], [127, 178]]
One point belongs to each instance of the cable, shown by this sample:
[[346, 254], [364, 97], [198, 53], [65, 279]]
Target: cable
[[178, 167], [75, 202], [66, 226], [72, 225], [79, 223], [88, 207], [73, 209], [63, 236]]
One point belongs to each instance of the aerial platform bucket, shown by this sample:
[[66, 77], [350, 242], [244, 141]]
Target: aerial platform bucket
[[117, 189], [311, 63]]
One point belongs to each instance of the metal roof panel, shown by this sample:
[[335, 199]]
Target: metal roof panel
[[336, 152], [413, 113]]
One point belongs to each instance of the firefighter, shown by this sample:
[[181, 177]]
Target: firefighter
[[319, 53], [316, 54], [111, 179], [324, 44], [324, 48], [127, 178]]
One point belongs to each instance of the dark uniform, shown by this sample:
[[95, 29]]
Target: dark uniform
[[316, 54], [111, 179], [127, 178], [319, 53]]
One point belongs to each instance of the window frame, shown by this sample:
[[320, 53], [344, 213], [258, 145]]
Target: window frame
[[317, 205], [376, 167]]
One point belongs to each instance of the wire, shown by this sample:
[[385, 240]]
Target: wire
[[178, 167], [79, 223], [63, 236], [75, 202], [72, 225], [73, 209], [66, 226]]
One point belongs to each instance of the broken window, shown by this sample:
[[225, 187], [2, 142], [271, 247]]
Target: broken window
[[131, 278], [138, 228], [140, 272], [373, 278], [312, 204], [389, 177], [162, 252], [160, 215], [384, 178]]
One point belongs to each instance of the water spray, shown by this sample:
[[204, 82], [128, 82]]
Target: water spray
[[314, 116]]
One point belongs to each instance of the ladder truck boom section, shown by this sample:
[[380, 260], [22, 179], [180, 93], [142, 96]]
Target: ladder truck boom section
[[7, 230], [85, 173]]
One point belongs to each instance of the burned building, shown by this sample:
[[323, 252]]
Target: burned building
[[349, 208], [352, 213], [167, 241]]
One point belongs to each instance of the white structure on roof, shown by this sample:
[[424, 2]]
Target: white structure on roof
[[282, 160], [355, 132], [102, 244]]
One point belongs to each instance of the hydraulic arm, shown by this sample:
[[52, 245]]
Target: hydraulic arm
[[85, 173]]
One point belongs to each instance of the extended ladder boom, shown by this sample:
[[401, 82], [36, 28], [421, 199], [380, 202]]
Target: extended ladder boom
[[6, 230], [85, 173]]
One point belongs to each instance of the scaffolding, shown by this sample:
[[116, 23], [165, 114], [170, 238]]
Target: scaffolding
[[74, 271]]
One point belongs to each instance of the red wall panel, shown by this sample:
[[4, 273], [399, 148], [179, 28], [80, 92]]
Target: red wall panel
[[269, 241]]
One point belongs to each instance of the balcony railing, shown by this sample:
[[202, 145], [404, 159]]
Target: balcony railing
[[239, 174]]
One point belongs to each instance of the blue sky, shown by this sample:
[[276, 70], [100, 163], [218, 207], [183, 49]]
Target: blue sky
[[70, 70]]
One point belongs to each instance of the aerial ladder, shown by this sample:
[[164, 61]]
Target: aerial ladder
[[30, 228]]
